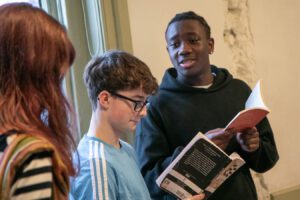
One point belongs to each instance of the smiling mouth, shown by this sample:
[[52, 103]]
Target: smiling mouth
[[186, 63]]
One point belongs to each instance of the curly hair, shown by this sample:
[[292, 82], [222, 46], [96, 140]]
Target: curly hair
[[190, 15], [117, 70]]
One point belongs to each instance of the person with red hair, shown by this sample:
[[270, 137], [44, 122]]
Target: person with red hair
[[36, 143]]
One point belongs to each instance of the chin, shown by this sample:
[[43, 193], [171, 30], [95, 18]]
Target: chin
[[131, 129]]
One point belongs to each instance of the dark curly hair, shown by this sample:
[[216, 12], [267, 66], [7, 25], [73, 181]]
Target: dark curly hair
[[190, 15]]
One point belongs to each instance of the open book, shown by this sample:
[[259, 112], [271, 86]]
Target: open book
[[255, 110], [200, 167]]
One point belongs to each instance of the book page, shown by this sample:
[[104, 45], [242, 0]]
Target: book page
[[201, 163], [255, 99], [255, 111], [236, 163], [194, 168]]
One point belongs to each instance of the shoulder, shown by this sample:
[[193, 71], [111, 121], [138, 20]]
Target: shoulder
[[240, 84], [90, 148], [20, 148], [33, 178], [96, 172], [28, 163], [94, 153], [96, 176]]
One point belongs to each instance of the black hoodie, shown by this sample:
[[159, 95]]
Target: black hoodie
[[177, 112]]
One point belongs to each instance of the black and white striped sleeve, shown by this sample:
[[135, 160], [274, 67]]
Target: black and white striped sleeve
[[33, 179]]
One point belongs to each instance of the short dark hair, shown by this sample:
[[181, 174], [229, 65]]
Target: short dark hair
[[117, 70], [190, 15]]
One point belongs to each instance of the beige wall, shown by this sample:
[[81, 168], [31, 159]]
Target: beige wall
[[276, 55]]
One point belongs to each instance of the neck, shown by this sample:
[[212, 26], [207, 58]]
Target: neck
[[200, 80], [100, 129]]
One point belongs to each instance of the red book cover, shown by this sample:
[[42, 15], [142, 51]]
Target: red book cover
[[255, 111]]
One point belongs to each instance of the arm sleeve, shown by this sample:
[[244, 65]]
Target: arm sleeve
[[95, 181], [33, 179], [266, 156], [153, 151]]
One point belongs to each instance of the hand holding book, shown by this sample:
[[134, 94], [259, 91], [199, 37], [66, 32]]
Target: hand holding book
[[249, 139], [220, 137]]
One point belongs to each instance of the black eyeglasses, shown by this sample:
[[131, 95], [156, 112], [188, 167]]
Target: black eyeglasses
[[138, 105]]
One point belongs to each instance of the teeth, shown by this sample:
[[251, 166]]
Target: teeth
[[186, 63]]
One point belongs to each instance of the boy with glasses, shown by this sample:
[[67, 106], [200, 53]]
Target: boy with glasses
[[118, 86]]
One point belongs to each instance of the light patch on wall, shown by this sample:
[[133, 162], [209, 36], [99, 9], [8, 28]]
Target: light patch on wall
[[238, 36]]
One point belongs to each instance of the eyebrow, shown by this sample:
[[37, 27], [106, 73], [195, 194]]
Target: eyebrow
[[172, 37], [187, 33]]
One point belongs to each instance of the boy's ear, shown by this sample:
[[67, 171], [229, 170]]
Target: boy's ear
[[211, 44], [103, 99]]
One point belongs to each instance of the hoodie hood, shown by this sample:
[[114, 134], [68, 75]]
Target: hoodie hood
[[170, 83]]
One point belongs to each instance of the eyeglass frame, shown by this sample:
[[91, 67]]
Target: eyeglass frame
[[137, 103]]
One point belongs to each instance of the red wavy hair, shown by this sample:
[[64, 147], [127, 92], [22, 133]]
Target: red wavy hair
[[35, 54]]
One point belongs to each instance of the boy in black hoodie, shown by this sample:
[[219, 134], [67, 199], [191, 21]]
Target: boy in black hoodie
[[197, 96]]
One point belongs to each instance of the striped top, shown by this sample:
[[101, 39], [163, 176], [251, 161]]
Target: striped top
[[27, 166], [33, 179]]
